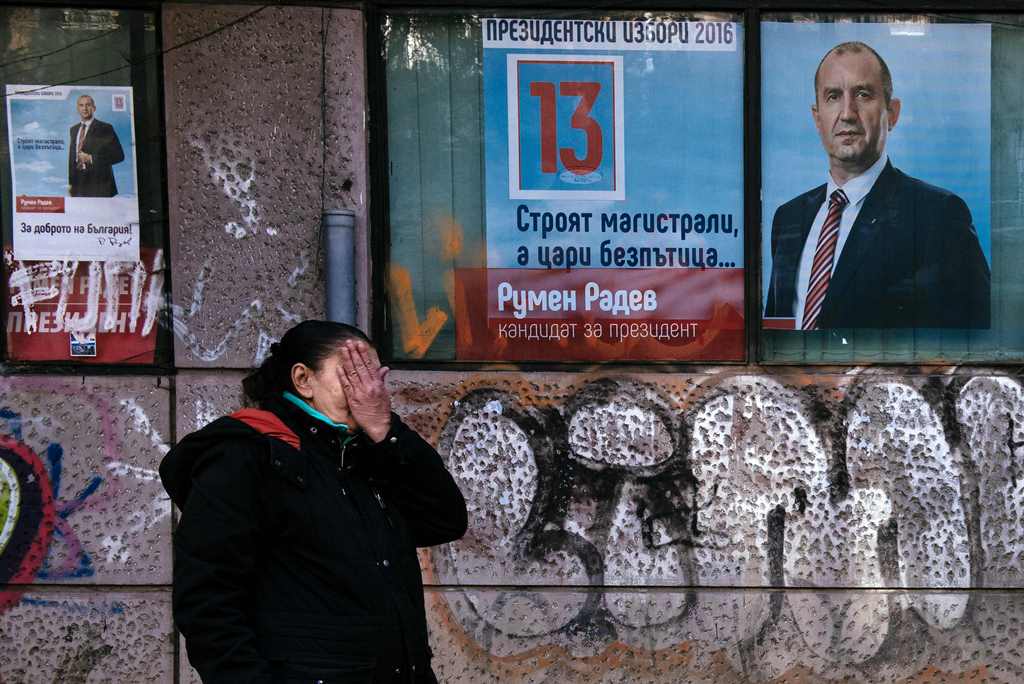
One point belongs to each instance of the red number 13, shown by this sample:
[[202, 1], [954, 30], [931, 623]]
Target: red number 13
[[581, 119]]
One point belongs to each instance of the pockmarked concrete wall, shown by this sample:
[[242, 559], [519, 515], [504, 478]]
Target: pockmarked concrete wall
[[728, 527], [722, 527], [265, 129], [85, 557], [624, 527], [732, 525]]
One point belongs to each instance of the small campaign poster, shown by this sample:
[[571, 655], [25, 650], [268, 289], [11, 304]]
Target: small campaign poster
[[73, 173], [86, 312], [876, 152], [614, 192]]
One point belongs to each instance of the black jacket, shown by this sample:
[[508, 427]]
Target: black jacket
[[912, 260], [299, 564]]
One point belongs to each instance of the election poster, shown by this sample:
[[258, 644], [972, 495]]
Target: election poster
[[73, 173], [613, 163], [86, 312], [896, 116]]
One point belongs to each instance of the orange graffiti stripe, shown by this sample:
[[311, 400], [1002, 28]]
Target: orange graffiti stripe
[[416, 336], [933, 675], [451, 237], [615, 656]]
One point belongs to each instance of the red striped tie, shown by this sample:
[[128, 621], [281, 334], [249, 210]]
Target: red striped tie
[[821, 270]]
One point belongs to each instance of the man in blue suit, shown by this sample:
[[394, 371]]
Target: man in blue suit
[[872, 247]]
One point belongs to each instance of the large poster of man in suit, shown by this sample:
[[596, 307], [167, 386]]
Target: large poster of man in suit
[[73, 173], [876, 207]]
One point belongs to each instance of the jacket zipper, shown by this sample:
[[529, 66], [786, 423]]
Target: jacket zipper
[[341, 465], [383, 507]]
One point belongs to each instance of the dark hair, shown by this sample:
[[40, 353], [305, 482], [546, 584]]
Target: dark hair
[[309, 342], [856, 46]]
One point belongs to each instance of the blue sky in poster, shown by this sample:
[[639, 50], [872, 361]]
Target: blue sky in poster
[[683, 139], [45, 172], [940, 72]]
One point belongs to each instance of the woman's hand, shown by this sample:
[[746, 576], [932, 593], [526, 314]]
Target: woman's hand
[[362, 377]]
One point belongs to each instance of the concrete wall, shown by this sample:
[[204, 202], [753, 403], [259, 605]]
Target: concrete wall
[[630, 527], [740, 524], [84, 530], [248, 172]]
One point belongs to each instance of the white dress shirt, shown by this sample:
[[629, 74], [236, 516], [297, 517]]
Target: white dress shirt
[[82, 133], [856, 190]]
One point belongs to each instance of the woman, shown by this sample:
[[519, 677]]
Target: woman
[[295, 554]]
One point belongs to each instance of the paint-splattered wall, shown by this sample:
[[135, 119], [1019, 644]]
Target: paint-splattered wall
[[739, 524], [629, 527], [84, 530]]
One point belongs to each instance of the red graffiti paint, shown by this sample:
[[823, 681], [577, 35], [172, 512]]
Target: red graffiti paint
[[29, 540]]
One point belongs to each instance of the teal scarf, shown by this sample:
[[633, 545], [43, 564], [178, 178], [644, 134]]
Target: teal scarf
[[342, 427]]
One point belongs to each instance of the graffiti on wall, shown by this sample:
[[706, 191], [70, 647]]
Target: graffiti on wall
[[738, 482], [80, 503], [26, 516], [234, 169], [36, 541], [50, 498], [98, 290]]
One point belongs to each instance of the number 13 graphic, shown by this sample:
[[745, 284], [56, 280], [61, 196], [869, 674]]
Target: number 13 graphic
[[581, 119], [565, 127]]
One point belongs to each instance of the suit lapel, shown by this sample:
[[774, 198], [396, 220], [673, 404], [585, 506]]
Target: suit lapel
[[85, 140], [796, 235], [88, 133], [808, 212], [875, 217]]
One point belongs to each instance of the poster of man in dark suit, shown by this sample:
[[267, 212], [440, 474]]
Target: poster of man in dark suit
[[872, 247], [92, 152]]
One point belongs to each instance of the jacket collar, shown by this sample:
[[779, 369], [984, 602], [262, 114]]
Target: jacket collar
[[267, 423], [858, 187], [310, 430], [295, 400]]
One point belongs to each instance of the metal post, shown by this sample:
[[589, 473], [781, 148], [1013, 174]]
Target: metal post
[[339, 250]]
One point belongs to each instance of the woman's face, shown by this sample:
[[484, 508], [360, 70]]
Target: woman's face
[[322, 389]]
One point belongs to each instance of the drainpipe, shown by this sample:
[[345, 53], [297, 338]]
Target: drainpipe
[[339, 251]]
